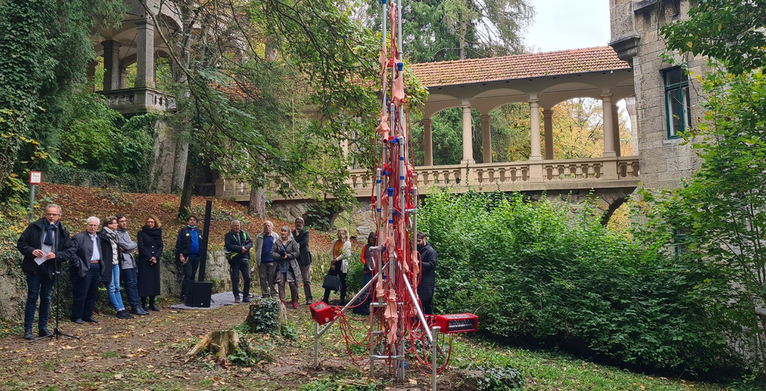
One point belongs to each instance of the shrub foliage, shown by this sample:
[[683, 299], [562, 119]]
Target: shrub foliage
[[535, 272]]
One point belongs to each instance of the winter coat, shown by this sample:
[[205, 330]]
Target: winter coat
[[233, 244], [32, 238], [302, 237], [428, 270], [83, 246], [288, 256]]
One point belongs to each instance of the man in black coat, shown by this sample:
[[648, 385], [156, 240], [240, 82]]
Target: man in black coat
[[45, 244], [238, 245], [428, 273], [91, 264]]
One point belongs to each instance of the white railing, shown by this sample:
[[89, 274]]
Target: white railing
[[527, 176]]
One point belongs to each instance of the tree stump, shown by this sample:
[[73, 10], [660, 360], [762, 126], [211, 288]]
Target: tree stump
[[266, 316], [222, 343]]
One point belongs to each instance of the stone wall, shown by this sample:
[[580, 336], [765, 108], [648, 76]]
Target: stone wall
[[663, 161], [13, 287]]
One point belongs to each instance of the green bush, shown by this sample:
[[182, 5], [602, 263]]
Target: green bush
[[533, 271]]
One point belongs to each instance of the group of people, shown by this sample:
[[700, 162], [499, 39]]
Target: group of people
[[106, 253], [99, 254], [280, 258]]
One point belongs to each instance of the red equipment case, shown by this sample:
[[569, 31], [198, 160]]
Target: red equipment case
[[322, 312], [457, 323]]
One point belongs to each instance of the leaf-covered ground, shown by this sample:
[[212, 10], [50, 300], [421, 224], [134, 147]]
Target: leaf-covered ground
[[149, 353]]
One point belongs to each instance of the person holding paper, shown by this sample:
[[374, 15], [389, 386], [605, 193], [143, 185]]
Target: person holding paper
[[43, 243]]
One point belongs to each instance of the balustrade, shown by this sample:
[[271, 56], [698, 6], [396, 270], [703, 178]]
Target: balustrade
[[556, 175]]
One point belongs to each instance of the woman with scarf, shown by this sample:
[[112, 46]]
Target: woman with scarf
[[285, 252], [109, 233], [341, 254], [150, 248]]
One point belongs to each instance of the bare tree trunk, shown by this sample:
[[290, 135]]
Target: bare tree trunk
[[258, 195]]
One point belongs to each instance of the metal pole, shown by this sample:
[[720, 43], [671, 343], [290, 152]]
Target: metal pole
[[32, 203], [316, 345], [434, 355], [420, 311]]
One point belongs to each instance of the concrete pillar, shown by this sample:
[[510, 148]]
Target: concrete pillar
[[428, 144], [534, 111], [616, 128], [548, 125], [608, 126], [630, 106], [145, 54], [467, 131], [111, 65], [123, 77], [486, 139]]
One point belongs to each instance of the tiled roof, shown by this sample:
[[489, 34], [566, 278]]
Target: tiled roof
[[520, 66]]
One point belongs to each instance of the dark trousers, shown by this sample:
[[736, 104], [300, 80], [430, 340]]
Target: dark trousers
[[190, 269], [242, 266], [130, 278], [39, 285], [427, 305], [85, 291], [342, 276]]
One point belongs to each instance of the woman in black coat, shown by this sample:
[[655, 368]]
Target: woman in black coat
[[149, 254]]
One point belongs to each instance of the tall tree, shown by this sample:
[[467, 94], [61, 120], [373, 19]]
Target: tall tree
[[43, 57], [248, 69], [720, 209]]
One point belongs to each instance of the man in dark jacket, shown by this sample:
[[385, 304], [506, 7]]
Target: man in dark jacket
[[187, 251], [45, 244], [428, 273], [91, 264], [237, 246], [301, 236]]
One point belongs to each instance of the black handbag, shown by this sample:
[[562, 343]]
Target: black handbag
[[331, 282]]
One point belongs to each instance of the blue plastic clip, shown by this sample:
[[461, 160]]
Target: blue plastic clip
[[400, 66], [390, 191]]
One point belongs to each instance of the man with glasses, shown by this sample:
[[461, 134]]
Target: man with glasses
[[126, 246], [44, 243]]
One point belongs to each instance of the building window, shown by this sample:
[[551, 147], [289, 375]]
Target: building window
[[677, 105]]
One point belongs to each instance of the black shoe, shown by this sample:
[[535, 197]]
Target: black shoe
[[154, 308], [237, 299], [89, 320], [28, 335], [246, 299], [78, 321], [44, 333], [138, 311], [123, 315]]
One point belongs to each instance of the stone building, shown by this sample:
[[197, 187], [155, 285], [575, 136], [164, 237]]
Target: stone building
[[667, 99]]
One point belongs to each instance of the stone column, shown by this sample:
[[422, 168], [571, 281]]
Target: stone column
[[548, 125], [145, 54], [616, 127], [608, 126], [486, 139], [123, 77], [534, 111], [467, 130], [428, 155], [111, 65]]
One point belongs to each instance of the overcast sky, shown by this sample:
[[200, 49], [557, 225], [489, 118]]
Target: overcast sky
[[568, 24]]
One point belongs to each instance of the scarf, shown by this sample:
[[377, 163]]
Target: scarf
[[110, 235], [49, 228]]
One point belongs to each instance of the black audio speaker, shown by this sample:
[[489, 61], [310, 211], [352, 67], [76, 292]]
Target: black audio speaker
[[200, 294]]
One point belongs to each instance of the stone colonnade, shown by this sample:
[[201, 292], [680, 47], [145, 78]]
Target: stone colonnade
[[115, 68], [611, 132]]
